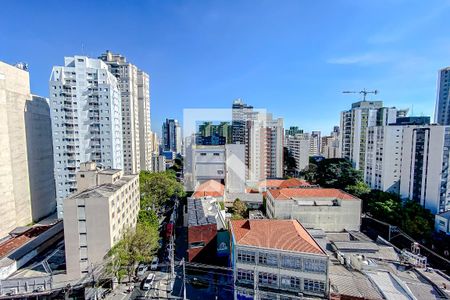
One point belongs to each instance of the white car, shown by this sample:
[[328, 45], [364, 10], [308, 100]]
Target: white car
[[141, 270], [148, 282], [154, 264]]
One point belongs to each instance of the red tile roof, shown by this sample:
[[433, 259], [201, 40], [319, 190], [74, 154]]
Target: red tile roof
[[283, 183], [287, 194], [211, 188], [287, 235], [16, 242]]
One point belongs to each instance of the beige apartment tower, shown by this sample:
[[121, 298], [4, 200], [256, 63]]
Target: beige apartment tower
[[107, 203], [14, 180]]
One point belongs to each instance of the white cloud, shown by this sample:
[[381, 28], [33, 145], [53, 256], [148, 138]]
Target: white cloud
[[360, 59]]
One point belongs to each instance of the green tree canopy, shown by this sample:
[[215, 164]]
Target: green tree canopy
[[157, 188], [240, 209]]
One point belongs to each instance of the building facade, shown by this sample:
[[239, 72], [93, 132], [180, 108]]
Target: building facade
[[134, 88], [276, 259], [354, 124], [442, 112], [326, 209], [38, 127], [14, 187], [240, 110], [86, 112], [330, 144], [298, 146], [214, 134], [171, 136], [106, 204], [424, 171], [315, 143]]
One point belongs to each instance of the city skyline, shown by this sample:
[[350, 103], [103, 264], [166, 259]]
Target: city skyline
[[211, 54]]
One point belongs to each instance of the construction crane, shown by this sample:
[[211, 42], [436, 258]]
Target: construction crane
[[363, 92]]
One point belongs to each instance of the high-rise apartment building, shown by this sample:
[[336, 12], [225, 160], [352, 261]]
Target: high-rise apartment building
[[86, 115], [442, 111], [264, 140], [14, 180], [145, 133], [95, 218], [38, 127], [240, 112], [315, 143], [214, 134], [171, 136], [330, 144], [134, 89], [298, 146], [424, 172], [354, 124]]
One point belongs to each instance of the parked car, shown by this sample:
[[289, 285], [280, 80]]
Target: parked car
[[141, 269], [148, 282], [154, 264]]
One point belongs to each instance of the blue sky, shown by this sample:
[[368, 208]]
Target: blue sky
[[291, 57]]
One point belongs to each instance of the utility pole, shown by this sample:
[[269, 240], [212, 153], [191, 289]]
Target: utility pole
[[184, 279]]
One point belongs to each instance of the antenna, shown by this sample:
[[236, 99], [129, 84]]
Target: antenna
[[364, 92]]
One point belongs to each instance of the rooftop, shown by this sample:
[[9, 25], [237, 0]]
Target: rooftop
[[287, 235], [210, 188], [9, 245], [300, 194], [283, 183], [202, 211], [104, 190]]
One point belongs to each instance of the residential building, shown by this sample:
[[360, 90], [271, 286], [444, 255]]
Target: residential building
[[85, 108], [383, 161], [315, 143], [299, 146], [14, 177], [320, 208], [413, 120], [159, 163], [330, 144], [264, 147], [224, 164], [424, 171], [171, 136], [38, 126], [95, 218], [293, 130], [354, 124], [127, 79], [240, 110], [206, 223], [442, 223], [145, 134], [442, 110], [214, 134], [276, 259]]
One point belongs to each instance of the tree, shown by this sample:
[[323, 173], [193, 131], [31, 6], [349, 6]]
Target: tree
[[240, 209], [148, 218], [157, 188], [138, 245], [358, 189], [290, 164]]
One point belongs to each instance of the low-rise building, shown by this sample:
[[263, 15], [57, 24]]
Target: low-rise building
[[322, 208], [207, 234], [276, 259], [107, 203], [442, 223]]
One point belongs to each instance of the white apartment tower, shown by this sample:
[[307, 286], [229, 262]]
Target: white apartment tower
[[354, 124], [86, 118], [299, 147], [384, 158], [425, 162], [135, 95]]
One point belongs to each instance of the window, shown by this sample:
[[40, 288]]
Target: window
[[291, 262], [203, 154], [268, 259], [315, 265], [216, 154], [245, 275], [246, 256], [314, 286], [290, 282], [267, 279], [196, 245]]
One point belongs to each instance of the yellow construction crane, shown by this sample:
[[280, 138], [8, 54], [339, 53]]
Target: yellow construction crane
[[363, 92]]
